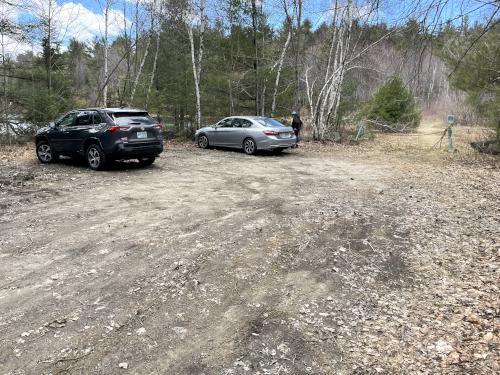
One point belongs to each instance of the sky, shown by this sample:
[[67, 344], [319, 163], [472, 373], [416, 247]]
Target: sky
[[83, 19]]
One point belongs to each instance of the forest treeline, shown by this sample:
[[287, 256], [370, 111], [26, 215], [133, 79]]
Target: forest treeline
[[190, 65]]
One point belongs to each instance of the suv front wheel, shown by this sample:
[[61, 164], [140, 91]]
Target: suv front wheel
[[44, 152], [95, 157]]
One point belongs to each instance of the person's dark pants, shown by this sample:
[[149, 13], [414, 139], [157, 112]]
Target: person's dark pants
[[297, 132]]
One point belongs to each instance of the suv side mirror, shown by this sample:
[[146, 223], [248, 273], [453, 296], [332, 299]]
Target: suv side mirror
[[52, 125]]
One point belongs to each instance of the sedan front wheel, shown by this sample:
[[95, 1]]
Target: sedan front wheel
[[203, 141]]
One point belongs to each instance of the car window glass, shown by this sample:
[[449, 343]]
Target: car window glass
[[132, 118], [83, 119], [96, 118], [227, 123], [245, 123], [236, 123], [67, 120], [267, 121]]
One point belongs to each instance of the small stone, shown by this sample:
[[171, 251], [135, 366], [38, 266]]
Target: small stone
[[180, 331], [141, 331], [123, 365], [442, 347], [472, 318], [453, 357], [283, 348], [488, 337]]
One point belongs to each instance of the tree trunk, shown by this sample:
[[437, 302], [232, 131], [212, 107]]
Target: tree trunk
[[49, 42], [297, 54], [5, 101], [155, 60], [105, 88], [127, 51], [144, 57], [327, 103], [256, 56], [280, 67], [197, 60]]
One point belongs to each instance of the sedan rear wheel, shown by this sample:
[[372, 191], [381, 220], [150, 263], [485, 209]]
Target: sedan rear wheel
[[203, 141], [249, 146]]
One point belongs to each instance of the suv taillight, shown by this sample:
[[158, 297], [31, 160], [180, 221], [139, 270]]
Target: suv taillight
[[158, 126], [270, 132], [114, 128]]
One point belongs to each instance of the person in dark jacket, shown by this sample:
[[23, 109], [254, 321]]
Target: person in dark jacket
[[296, 124]]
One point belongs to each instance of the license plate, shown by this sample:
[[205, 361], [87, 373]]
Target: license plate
[[284, 135], [141, 135]]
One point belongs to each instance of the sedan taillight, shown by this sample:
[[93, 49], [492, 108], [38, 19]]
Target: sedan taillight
[[270, 132]]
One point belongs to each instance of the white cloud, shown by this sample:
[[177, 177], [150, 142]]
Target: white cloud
[[76, 21], [71, 20], [361, 10], [11, 45]]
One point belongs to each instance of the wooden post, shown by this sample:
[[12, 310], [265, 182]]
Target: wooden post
[[361, 131], [451, 121], [450, 140]]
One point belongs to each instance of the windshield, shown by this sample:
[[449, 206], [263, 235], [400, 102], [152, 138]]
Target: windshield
[[132, 118], [270, 122]]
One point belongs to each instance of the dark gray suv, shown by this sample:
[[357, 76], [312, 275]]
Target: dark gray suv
[[101, 135]]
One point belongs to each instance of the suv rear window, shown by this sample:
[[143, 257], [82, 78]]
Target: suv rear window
[[266, 121], [131, 118]]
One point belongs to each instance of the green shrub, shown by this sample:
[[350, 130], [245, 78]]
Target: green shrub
[[393, 104]]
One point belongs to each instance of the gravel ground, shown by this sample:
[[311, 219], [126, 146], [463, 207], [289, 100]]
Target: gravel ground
[[372, 259]]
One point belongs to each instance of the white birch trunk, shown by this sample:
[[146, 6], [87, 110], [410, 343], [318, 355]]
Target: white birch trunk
[[143, 60], [155, 60], [197, 60], [106, 47], [280, 67], [326, 105], [153, 70]]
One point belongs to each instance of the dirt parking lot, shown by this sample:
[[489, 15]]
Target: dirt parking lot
[[323, 260]]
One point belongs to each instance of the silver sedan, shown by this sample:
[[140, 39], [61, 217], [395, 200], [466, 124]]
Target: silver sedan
[[249, 133]]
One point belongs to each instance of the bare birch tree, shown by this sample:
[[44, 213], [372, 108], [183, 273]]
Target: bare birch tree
[[324, 104], [107, 6], [279, 63], [158, 11], [145, 55], [324, 99], [9, 31], [191, 20]]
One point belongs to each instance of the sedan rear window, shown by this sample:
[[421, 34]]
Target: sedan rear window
[[132, 118], [266, 121]]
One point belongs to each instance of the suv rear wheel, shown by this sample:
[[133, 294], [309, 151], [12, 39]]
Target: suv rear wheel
[[144, 162], [44, 152], [95, 157]]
